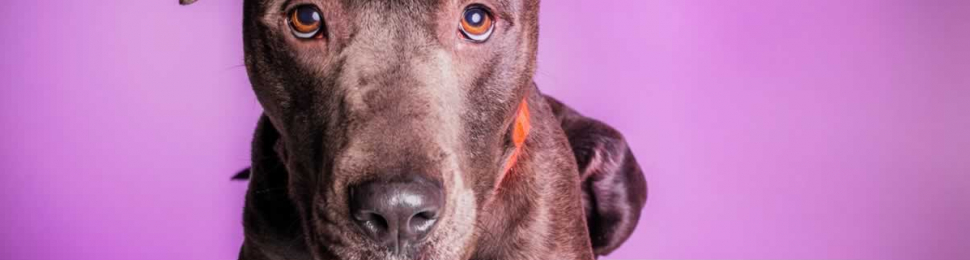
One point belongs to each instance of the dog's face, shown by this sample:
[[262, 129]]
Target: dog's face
[[396, 117]]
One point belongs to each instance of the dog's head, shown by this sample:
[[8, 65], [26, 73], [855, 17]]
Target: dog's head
[[397, 118]]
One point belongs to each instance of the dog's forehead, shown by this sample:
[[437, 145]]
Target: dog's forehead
[[403, 4], [422, 3], [411, 4]]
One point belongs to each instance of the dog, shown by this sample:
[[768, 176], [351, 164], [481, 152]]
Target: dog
[[413, 130]]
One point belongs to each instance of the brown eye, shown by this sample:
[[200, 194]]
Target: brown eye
[[476, 23], [306, 22]]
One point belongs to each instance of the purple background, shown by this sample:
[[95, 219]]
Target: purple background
[[767, 129]]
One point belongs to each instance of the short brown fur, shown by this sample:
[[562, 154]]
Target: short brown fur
[[392, 90]]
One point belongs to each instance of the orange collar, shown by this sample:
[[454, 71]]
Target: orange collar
[[520, 131]]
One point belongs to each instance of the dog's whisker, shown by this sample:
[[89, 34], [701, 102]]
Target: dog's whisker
[[228, 68]]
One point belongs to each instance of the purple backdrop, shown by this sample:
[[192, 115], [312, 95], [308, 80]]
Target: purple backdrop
[[767, 129]]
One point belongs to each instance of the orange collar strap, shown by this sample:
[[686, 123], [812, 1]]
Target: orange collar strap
[[520, 132]]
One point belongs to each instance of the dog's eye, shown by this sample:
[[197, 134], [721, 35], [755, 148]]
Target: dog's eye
[[476, 23], [306, 22]]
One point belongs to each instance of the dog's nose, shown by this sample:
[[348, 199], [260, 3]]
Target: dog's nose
[[396, 214]]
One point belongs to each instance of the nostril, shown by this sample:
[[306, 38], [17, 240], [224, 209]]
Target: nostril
[[428, 214], [421, 222], [371, 221]]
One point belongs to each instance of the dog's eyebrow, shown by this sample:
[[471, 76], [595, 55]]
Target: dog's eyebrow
[[284, 5], [504, 13]]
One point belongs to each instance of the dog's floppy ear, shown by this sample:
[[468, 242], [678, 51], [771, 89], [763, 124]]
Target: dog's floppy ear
[[186, 2], [614, 189]]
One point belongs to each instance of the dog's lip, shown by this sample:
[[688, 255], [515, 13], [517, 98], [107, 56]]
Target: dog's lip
[[419, 251]]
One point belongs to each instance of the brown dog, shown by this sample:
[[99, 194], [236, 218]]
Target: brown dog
[[412, 130]]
